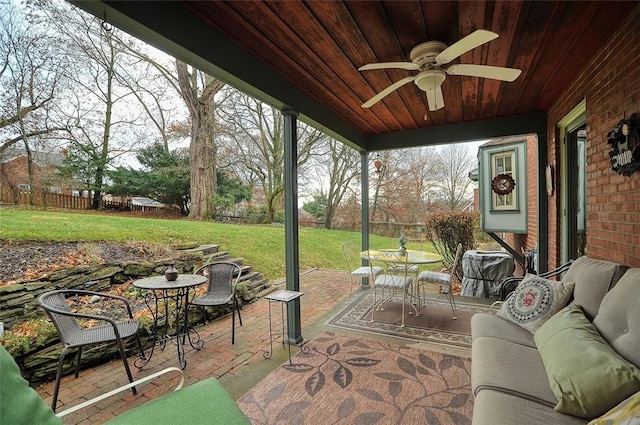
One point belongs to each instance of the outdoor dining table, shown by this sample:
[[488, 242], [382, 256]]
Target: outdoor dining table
[[160, 294], [393, 258]]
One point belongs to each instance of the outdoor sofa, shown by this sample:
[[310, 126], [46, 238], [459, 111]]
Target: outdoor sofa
[[205, 402], [577, 365]]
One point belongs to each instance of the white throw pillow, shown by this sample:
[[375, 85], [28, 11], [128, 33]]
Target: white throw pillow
[[535, 300]]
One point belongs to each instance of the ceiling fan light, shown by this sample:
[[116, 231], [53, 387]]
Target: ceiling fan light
[[430, 80]]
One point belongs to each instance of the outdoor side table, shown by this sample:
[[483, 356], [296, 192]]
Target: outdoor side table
[[284, 297], [161, 293]]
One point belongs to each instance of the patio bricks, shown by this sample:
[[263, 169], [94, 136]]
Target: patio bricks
[[238, 367]]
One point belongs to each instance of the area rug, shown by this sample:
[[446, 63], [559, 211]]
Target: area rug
[[351, 380], [434, 325]]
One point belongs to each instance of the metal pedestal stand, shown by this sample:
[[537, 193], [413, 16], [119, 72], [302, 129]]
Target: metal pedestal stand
[[284, 297]]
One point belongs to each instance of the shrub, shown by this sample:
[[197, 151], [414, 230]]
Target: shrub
[[28, 335], [447, 230]]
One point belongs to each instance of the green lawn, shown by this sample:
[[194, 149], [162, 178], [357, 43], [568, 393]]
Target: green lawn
[[262, 247]]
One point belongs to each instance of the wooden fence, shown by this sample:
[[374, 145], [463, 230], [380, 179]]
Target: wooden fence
[[58, 200]]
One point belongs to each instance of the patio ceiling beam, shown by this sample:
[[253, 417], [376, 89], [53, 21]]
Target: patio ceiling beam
[[533, 123]]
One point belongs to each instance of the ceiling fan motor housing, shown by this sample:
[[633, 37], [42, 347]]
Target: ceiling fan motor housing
[[425, 54], [430, 80]]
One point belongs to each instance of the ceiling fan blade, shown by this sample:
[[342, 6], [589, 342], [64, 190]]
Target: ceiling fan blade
[[390, 65], [462, 46], [369, 103], [435, 99], [485, 71]]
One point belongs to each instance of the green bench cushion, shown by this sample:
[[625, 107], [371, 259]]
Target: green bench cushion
[[205, 402], [19, 403]]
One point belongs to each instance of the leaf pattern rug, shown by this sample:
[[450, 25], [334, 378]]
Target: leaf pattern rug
[[351, 380]]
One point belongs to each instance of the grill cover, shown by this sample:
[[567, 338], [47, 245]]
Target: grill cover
[[483, 271]]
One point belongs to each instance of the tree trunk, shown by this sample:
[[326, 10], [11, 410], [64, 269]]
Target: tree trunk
[[202, 166], [202, 150]]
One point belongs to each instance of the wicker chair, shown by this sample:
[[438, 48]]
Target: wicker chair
[[223, 282], [72, 333]]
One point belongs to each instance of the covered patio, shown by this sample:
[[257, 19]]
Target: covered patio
[[238, 367], [580, 73], [578, 62]]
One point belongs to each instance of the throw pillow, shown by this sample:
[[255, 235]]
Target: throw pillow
[[585, 374], [19, 403], [534, 301], [625, 413]]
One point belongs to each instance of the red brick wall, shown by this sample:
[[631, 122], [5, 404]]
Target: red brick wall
[[611, 86], [15, 172]]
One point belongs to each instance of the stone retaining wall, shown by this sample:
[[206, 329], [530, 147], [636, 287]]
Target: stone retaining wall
[[19, 302]]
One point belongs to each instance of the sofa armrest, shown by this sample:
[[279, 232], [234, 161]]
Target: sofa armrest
[[124, 388]]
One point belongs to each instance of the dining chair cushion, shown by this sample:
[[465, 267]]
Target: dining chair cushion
[[367, 271], [435, 277], [393, 281], [410, 269], [19, 403]]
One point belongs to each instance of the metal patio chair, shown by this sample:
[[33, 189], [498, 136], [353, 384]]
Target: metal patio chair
[[78, 333], [223, 281], [352, 259], [443, 279], [391, 282]]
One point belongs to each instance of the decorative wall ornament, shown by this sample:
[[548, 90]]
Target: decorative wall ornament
[[548, 174], [503, 184], [624, 139]]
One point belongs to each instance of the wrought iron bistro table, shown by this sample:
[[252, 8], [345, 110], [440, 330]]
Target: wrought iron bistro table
[[161, 292]]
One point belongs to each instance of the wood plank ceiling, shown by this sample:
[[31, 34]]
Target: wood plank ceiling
[[318, 46]]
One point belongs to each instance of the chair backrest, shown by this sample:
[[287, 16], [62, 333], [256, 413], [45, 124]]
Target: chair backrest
[[349, 252], [456, 260], [223, 277], [393, 260], [55, 304]]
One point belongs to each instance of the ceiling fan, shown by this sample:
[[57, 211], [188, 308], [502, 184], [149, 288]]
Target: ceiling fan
[[429, 58]]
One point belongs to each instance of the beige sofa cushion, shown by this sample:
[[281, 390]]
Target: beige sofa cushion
[[510, 368], [592, 278], [497, 408], [490, 325], [618, 319]]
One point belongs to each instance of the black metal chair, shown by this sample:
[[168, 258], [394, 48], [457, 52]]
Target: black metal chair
[[73, 333], [223, 281]]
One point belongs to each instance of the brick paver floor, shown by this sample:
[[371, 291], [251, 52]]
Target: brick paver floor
[[238, 366]]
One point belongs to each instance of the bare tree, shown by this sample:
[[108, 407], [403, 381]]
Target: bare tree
[[30, 73], [454, 163], [255, 132], [95, 100], [330, 174], [198, 91]]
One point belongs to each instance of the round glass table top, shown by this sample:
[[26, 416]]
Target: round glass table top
[[396, 256]]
